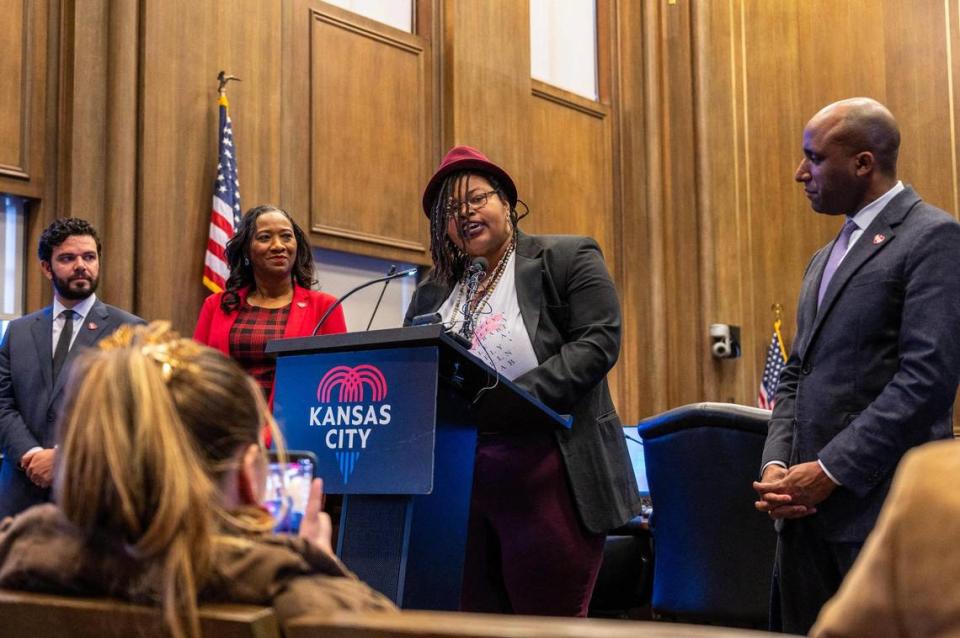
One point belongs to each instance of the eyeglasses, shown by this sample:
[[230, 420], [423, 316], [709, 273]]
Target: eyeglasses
[[474, 202]]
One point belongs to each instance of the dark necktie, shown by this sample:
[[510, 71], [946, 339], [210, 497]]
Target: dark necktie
[[63, 344], [833, 262]]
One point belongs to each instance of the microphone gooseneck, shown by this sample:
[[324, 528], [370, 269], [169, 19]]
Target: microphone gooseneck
[[403, 273], [392, 271]]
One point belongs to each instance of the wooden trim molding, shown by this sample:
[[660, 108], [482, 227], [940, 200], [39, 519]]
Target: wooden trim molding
[[568, 99], [369, 238]]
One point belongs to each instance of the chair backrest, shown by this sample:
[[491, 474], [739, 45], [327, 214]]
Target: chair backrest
[[713, 552], [43, 616]]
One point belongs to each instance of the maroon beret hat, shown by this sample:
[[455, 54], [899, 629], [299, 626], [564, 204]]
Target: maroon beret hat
[[466, 158]]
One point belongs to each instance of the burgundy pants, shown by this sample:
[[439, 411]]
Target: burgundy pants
[[527, 551]]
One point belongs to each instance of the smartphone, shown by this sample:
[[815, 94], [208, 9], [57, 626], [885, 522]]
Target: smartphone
[[288, 487]]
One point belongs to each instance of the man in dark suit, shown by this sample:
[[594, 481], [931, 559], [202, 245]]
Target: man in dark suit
[[875, 364], [35, 354]]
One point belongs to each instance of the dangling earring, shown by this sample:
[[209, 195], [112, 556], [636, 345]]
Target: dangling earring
[[246, 261]]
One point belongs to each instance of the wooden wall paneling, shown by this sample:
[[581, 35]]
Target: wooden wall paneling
[[572, 187], [650, 182], [370, 131], [777, 221], [918, 75], [184, 45], [952, 26], [43, 211], [82, 111], [622, 375], [98, 122], [14, 87], [682, 330], [572, 191], [295, 185], [362, 93], [23, 74], [28, 68], [722, 176], [122, 112], [486, 79], [762, 70], [640, 372]]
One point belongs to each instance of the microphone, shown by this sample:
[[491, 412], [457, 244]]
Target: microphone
[[393, 270], [397, 275], [476, 272]]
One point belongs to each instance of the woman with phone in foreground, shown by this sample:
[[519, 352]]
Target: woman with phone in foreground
[[158, 489]]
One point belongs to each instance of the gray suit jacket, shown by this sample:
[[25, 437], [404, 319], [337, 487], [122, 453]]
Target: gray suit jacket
[[29, 397], [874, 372], [571, 312]]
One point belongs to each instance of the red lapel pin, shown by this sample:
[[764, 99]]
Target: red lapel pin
[[878, 238], [91, 326]]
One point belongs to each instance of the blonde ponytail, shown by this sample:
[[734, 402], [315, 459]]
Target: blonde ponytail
[[128, 468]]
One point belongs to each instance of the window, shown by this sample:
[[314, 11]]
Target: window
[[12, 256], [337, 273], [563, 45], [395, 13]]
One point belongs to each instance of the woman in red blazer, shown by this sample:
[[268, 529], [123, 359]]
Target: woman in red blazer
[[267, 296]]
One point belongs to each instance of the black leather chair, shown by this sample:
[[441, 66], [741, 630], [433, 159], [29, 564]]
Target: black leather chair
[[713, 552]]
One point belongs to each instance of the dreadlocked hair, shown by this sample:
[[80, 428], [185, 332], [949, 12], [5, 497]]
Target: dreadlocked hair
[[449, 262]]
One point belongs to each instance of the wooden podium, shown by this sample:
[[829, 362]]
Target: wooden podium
[[393, 418]]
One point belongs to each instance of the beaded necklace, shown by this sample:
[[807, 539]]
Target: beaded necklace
[[474, 305]]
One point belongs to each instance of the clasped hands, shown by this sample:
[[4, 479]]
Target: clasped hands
[[38, 466], [793, 492]]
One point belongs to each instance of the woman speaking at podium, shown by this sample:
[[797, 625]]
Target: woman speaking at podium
[[545, 314], [268, 294]]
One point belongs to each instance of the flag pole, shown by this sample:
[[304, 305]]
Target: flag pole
[[225, 209]]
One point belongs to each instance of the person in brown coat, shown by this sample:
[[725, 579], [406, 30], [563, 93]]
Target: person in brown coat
[[161, 471], [906, 579]]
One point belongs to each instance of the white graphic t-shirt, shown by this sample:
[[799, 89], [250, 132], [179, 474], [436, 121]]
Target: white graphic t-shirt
[[500, 337]]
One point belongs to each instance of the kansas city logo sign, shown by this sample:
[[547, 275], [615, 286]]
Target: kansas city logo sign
[[352, 403]]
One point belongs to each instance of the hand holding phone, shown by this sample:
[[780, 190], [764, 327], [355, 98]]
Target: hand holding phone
[[316, 525], [289, 488]]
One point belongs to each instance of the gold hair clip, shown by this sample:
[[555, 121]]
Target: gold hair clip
[[168, 360], [158, 342]]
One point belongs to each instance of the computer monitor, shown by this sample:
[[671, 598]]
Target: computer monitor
[[635, 448]]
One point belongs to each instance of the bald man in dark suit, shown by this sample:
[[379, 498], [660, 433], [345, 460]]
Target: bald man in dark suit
[[875, 364]]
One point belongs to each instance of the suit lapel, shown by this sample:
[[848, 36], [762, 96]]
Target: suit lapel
[[42, 330], [807, 304], [877, 236], [529, 284], [94, 325]]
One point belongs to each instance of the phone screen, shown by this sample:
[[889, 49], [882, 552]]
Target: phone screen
[[288, 486]]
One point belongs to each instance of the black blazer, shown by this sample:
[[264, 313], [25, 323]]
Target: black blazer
[[874, 372], [571, 312], [30, 398]]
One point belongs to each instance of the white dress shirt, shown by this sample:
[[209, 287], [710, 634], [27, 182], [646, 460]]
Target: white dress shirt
[[82, 309]]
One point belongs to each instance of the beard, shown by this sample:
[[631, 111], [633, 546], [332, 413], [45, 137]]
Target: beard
[[65, 290]]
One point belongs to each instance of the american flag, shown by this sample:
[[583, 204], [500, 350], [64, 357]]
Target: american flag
[[776, 359], [225, 214]]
